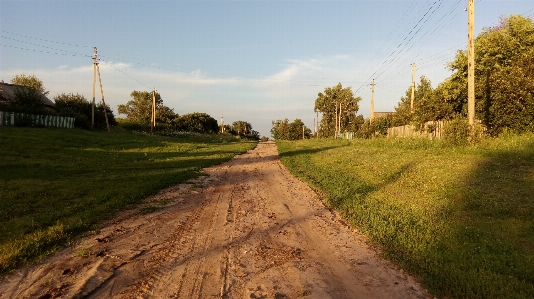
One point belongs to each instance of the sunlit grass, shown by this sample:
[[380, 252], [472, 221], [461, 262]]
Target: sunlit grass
[[462, 219], [58, 183]]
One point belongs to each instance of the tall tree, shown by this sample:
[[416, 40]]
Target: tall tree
[[30, 81], [297, 130], [504, 64], [139, 109], [338, 106], [76, 105], [241, 127], [280, 129], [197, 122]]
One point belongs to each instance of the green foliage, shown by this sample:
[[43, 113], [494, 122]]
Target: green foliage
[[75, 105], [505, 77], [280, 129], [29, 81], [458, 218], [139, 109], [264, 138], [28, 100], [377, 128], [61, 183], [196, 122], [456, 132], [241, 127], [283, 130], [340, 102]]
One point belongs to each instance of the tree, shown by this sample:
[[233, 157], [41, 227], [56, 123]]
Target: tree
[[139, 109], [28, 100], [504, 65], [197, 122], [339, 107], [284, 130], [30, 81], [280, 129], [77, 106], [296, 130], [241, 127], [429, 105]]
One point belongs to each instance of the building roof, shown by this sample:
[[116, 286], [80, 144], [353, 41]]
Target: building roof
[[7, 94]]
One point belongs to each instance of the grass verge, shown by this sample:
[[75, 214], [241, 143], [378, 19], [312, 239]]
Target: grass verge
[[58, 183], [461, 219]]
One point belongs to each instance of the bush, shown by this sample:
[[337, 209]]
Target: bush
[[456, 132]]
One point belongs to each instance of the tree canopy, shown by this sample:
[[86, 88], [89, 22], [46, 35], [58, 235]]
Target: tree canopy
[[77, 106], [196, 122], [30, 81], [284, 130], [139, 109], [504, 72], [338, 107]]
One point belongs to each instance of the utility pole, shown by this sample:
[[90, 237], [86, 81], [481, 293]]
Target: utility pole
[[471, 62], [153, 114], [303, 126], [94, 82], [413, 87], [317, 123], [339, 120], [372, 101], [222, 123], [335, 133], [97, 68]]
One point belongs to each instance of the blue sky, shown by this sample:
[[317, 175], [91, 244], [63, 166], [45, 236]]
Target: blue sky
[[247, 60]]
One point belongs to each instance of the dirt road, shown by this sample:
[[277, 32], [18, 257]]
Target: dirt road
[[248, 230]]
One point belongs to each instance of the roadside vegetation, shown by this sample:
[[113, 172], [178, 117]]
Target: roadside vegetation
[[459, 218], [58, 183]]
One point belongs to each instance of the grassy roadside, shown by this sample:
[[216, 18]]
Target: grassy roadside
[[58, 183], [462, 219]]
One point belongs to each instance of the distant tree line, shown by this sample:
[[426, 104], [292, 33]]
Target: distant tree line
[[137, 111]]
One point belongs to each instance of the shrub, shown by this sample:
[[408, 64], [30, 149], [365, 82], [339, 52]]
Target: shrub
[[456, 132]]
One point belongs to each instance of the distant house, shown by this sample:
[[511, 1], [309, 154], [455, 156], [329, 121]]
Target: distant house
[[7, 94]]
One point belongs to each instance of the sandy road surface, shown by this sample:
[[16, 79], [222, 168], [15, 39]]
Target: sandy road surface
[[251, 231]]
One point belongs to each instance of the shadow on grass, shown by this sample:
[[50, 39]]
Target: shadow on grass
[[490, 252]]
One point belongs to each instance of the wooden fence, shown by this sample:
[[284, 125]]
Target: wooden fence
[[13, 118], [431, 130]]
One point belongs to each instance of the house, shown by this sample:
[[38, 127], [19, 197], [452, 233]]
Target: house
[[7, 94]]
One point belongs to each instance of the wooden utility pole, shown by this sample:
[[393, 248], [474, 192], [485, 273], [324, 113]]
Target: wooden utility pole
[[339, 119], [372, 101], [317, 123], [153, 113], [303, 126], [471, 62], [94, 82], [335, 133], [413, 87], [103, 102], [97, 68]]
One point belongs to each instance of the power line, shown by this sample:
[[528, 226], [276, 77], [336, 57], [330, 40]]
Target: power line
[[46, 40]]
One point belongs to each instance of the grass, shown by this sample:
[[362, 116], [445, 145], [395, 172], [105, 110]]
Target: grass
[[59, 183], [459, 218]]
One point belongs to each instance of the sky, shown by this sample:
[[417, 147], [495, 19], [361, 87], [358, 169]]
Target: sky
[[256, 61]]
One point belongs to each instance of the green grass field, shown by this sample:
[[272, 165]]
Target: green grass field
[[460, 219], [58, 183]]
